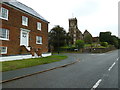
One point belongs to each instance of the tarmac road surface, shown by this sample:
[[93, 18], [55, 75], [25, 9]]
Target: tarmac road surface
[[93, 71]]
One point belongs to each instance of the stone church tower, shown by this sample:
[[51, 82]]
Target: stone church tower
[[74, 32]]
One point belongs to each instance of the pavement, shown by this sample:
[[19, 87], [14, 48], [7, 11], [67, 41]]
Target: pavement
[[93, 71], [9, 75]]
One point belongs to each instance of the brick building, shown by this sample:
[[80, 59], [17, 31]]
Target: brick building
[[23, 30], [74, 32]]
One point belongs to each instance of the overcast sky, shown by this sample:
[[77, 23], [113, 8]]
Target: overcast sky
[[94, 15]]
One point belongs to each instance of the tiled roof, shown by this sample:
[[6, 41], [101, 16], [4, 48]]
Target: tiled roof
[[25, 8]]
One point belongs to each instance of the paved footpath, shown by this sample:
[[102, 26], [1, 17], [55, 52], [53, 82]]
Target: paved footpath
[[30, 70]]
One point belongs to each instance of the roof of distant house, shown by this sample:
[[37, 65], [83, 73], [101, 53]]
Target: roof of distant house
[[26, 9]]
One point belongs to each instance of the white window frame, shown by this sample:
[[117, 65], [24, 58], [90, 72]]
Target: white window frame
[[5, 18], [7, 34], [39, 25], [5, 50], [25, 23], [37, 40]]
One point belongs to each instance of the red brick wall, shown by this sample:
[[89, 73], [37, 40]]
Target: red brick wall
[[14, 24]]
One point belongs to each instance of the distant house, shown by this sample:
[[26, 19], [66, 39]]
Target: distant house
[[23, 30], [95, 39], [74, 32], [87, 37]]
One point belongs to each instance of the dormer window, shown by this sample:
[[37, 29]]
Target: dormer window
[[24, 20], [4, 13], [38, 26]]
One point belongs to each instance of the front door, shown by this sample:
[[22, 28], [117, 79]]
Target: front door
[[24, 40]]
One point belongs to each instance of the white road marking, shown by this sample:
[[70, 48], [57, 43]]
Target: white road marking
[[111, 66], [97, 84], [117, 58], [99, 81], [98, 54]]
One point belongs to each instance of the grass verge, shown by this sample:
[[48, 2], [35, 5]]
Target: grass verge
[[17, 64]]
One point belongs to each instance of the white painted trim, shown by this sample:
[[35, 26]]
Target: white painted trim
[[7, 14], [5, 50], [6, 34], [26, 23], [46, 54], [19, 57], [4, 39], [37, 38], [27, 31], [39, 28]]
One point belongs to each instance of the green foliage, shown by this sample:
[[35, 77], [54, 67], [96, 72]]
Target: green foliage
[[68, 48], [105, 44], [115, 41], [88, 39], [111, 39], [57, 37], [105, 37], [17, 64], [79, 44], [119, 43]]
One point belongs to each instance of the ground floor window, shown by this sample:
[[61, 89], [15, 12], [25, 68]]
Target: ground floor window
[[3, 50], [38, 40]]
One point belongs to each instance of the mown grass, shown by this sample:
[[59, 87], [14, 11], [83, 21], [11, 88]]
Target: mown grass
[[17, 64]]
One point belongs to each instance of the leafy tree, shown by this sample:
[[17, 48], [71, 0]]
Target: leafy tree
[[118, 43], [115, 41], [88, 39], [111, 39], [105, 37], [68, 40], [57, 37], [79, 44]]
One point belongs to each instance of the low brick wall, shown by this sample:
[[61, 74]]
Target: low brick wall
[[99, 50]]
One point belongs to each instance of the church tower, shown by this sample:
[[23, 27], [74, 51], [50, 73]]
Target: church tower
[[74, 32]]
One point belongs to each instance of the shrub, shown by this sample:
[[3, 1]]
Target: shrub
[[105, 44], [79, 44]]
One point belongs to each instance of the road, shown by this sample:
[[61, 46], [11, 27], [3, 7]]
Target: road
[[92, 71]]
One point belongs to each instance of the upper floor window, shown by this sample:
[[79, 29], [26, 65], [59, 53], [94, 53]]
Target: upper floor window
[[4, 13], [24, 20], [3, 50], [38, 40], [4, 34], [38, 26]]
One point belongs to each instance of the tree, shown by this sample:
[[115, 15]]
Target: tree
[[118, 43], [79, 44], [68, 40], [105, 37], [57, 37], [115, 41], [111, 39], [88, 39]]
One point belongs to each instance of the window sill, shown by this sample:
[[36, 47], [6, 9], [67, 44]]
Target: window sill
[[39, 43], [4, 39], [4, 18], [39, 29], [24, 25], [3, 53]]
